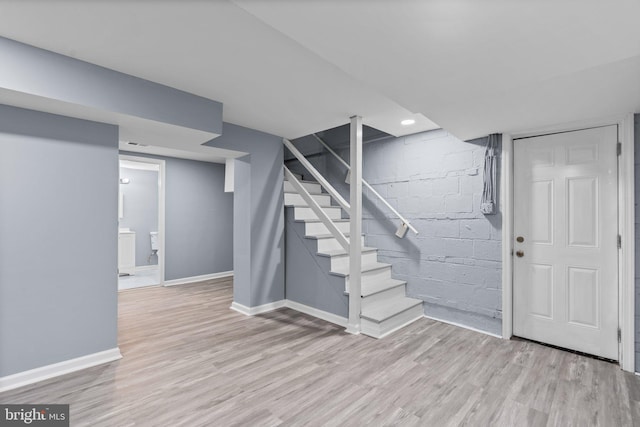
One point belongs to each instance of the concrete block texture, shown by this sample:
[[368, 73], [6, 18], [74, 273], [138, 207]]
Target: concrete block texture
[[435, 180]]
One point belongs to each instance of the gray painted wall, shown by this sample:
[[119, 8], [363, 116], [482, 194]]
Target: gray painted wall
[[307, 275], [58, 250], [50, 75], [242, 232], [637, 223], [435, 181], [198, 218], [58, 218], [258, 228], [141, 210]]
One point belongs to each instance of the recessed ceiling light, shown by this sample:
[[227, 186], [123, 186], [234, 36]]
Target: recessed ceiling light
[[407, 122]]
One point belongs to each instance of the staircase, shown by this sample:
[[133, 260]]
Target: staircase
[[385, 306]]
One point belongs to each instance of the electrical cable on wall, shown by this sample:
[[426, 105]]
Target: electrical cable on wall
[[488, 204]]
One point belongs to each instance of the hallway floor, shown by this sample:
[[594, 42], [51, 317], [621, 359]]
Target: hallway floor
[[191, 361], [142, 278]]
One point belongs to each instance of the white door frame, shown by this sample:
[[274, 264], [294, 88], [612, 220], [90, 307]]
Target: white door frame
[[626, 227], [161, 204]]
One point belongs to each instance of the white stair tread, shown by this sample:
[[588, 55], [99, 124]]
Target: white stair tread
[[383, 310], [324, 236], [344, 271], [307, 181], [337, 252], [379, 286], [312, 194], [304, 181], [307, 206], [318, 220]]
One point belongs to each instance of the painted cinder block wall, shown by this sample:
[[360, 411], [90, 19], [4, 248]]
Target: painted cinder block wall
[[435, 180], [454, 264]]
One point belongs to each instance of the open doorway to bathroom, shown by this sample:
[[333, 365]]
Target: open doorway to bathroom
[[140, 222]]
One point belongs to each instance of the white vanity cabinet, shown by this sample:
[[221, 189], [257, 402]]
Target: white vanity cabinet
[[126, 252]]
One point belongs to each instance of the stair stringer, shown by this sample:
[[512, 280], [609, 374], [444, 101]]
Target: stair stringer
[[307, 276]]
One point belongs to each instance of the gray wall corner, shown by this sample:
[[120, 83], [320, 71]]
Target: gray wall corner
[[58, 222], [259, 214]]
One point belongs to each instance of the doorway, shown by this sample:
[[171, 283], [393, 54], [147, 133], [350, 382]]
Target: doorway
[[140, 222], [565, 264]]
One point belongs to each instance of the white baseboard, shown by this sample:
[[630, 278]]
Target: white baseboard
[[194, 279], [464, 326], [372, 332], [311, 311], [252, 311], [61, 368], [320, 314]]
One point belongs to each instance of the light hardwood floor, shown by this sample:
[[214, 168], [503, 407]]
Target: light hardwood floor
[[191, 361]]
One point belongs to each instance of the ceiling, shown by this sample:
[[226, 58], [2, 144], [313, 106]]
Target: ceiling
[[149, 136], [293, 68]]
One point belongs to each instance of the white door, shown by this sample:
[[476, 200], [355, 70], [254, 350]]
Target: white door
[[565, 284]]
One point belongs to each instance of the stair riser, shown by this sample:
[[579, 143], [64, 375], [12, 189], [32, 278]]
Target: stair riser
[[378, 330], [371, 276], [397, 291], [308, 213], [312, 228], [310, 187], [296, 199], [340, 261], [381, 304], [325, 245], [297, 175]]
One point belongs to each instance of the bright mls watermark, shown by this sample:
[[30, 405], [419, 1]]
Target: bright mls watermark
[[34, 415]]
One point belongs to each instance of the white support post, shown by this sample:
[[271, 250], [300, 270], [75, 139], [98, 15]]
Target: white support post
[[355, 242]]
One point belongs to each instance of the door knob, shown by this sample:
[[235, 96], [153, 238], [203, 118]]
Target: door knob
[[519, 254], [519, 239]]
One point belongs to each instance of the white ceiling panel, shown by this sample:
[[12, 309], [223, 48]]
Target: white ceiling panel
[[476, 67], [292, 68], [265, 80]]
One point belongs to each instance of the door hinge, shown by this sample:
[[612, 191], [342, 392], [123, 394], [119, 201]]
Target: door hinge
[[619, 241], [619, 148], [619, 335]]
